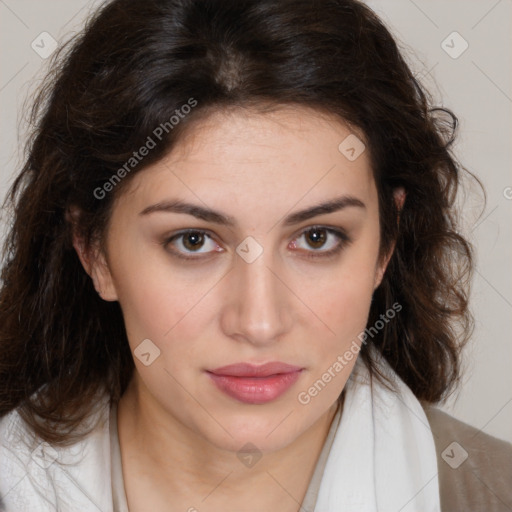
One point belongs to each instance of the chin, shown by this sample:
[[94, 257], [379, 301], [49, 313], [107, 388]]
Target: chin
[[267, 430]]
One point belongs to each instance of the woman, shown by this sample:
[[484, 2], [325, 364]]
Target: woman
[[234, 280]]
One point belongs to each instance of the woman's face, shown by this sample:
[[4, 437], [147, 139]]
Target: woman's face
[[266, 288]]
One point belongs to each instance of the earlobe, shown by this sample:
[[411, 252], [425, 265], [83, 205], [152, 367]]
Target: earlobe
[[379, 274], [399, 195], [96, 266], [94, 263], [102, 279], [82, 253]]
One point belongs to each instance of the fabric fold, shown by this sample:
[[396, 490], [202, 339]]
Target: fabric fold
[[383, 456]]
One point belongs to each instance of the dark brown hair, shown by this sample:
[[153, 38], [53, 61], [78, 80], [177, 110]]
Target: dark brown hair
[[135, 64]]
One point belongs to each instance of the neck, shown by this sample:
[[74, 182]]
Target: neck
[[181, 464]]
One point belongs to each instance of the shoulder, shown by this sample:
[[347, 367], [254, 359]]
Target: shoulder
[[475, 469], [35, 475]]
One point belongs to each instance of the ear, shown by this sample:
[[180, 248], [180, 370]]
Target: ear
[[93, 260], [399, 197]]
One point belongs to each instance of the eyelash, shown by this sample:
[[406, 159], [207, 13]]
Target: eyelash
[[344, 240]]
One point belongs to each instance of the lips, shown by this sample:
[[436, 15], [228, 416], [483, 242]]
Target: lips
[[255, 384], [249, 370]]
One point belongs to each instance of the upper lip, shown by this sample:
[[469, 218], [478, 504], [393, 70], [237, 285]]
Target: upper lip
[[252, 370]]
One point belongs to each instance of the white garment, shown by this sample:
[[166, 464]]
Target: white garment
[[382, 459], [35, 477]]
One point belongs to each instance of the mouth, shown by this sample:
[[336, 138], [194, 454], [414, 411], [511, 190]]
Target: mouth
[[255, 384]]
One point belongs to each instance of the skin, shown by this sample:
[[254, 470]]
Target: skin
[[179, 434]]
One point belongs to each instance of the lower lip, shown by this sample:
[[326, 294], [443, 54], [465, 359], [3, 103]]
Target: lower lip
[[255, 390]]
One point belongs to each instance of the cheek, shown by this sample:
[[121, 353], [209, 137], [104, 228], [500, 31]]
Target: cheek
[[156, 298], [345, 307], [346, 299], [172, 315], [153, 310]]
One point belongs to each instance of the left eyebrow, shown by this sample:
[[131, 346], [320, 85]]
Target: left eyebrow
[[334, 205], [209, 215]]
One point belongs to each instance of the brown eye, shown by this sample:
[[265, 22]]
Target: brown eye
[[316, 237], [191, 242]]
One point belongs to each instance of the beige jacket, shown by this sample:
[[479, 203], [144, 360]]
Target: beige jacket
[[475, 469]]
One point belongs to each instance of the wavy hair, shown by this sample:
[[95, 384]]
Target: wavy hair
[[132, 67]]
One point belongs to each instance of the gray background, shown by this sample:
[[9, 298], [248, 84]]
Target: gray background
[[475, 84]]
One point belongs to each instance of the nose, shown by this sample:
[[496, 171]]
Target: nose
[[259, 305]]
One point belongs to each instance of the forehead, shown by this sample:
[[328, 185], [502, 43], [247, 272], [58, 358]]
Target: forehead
[[290, 135], [247, 157]]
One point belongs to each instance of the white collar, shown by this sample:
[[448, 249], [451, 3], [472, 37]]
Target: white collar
[[383, 457]]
